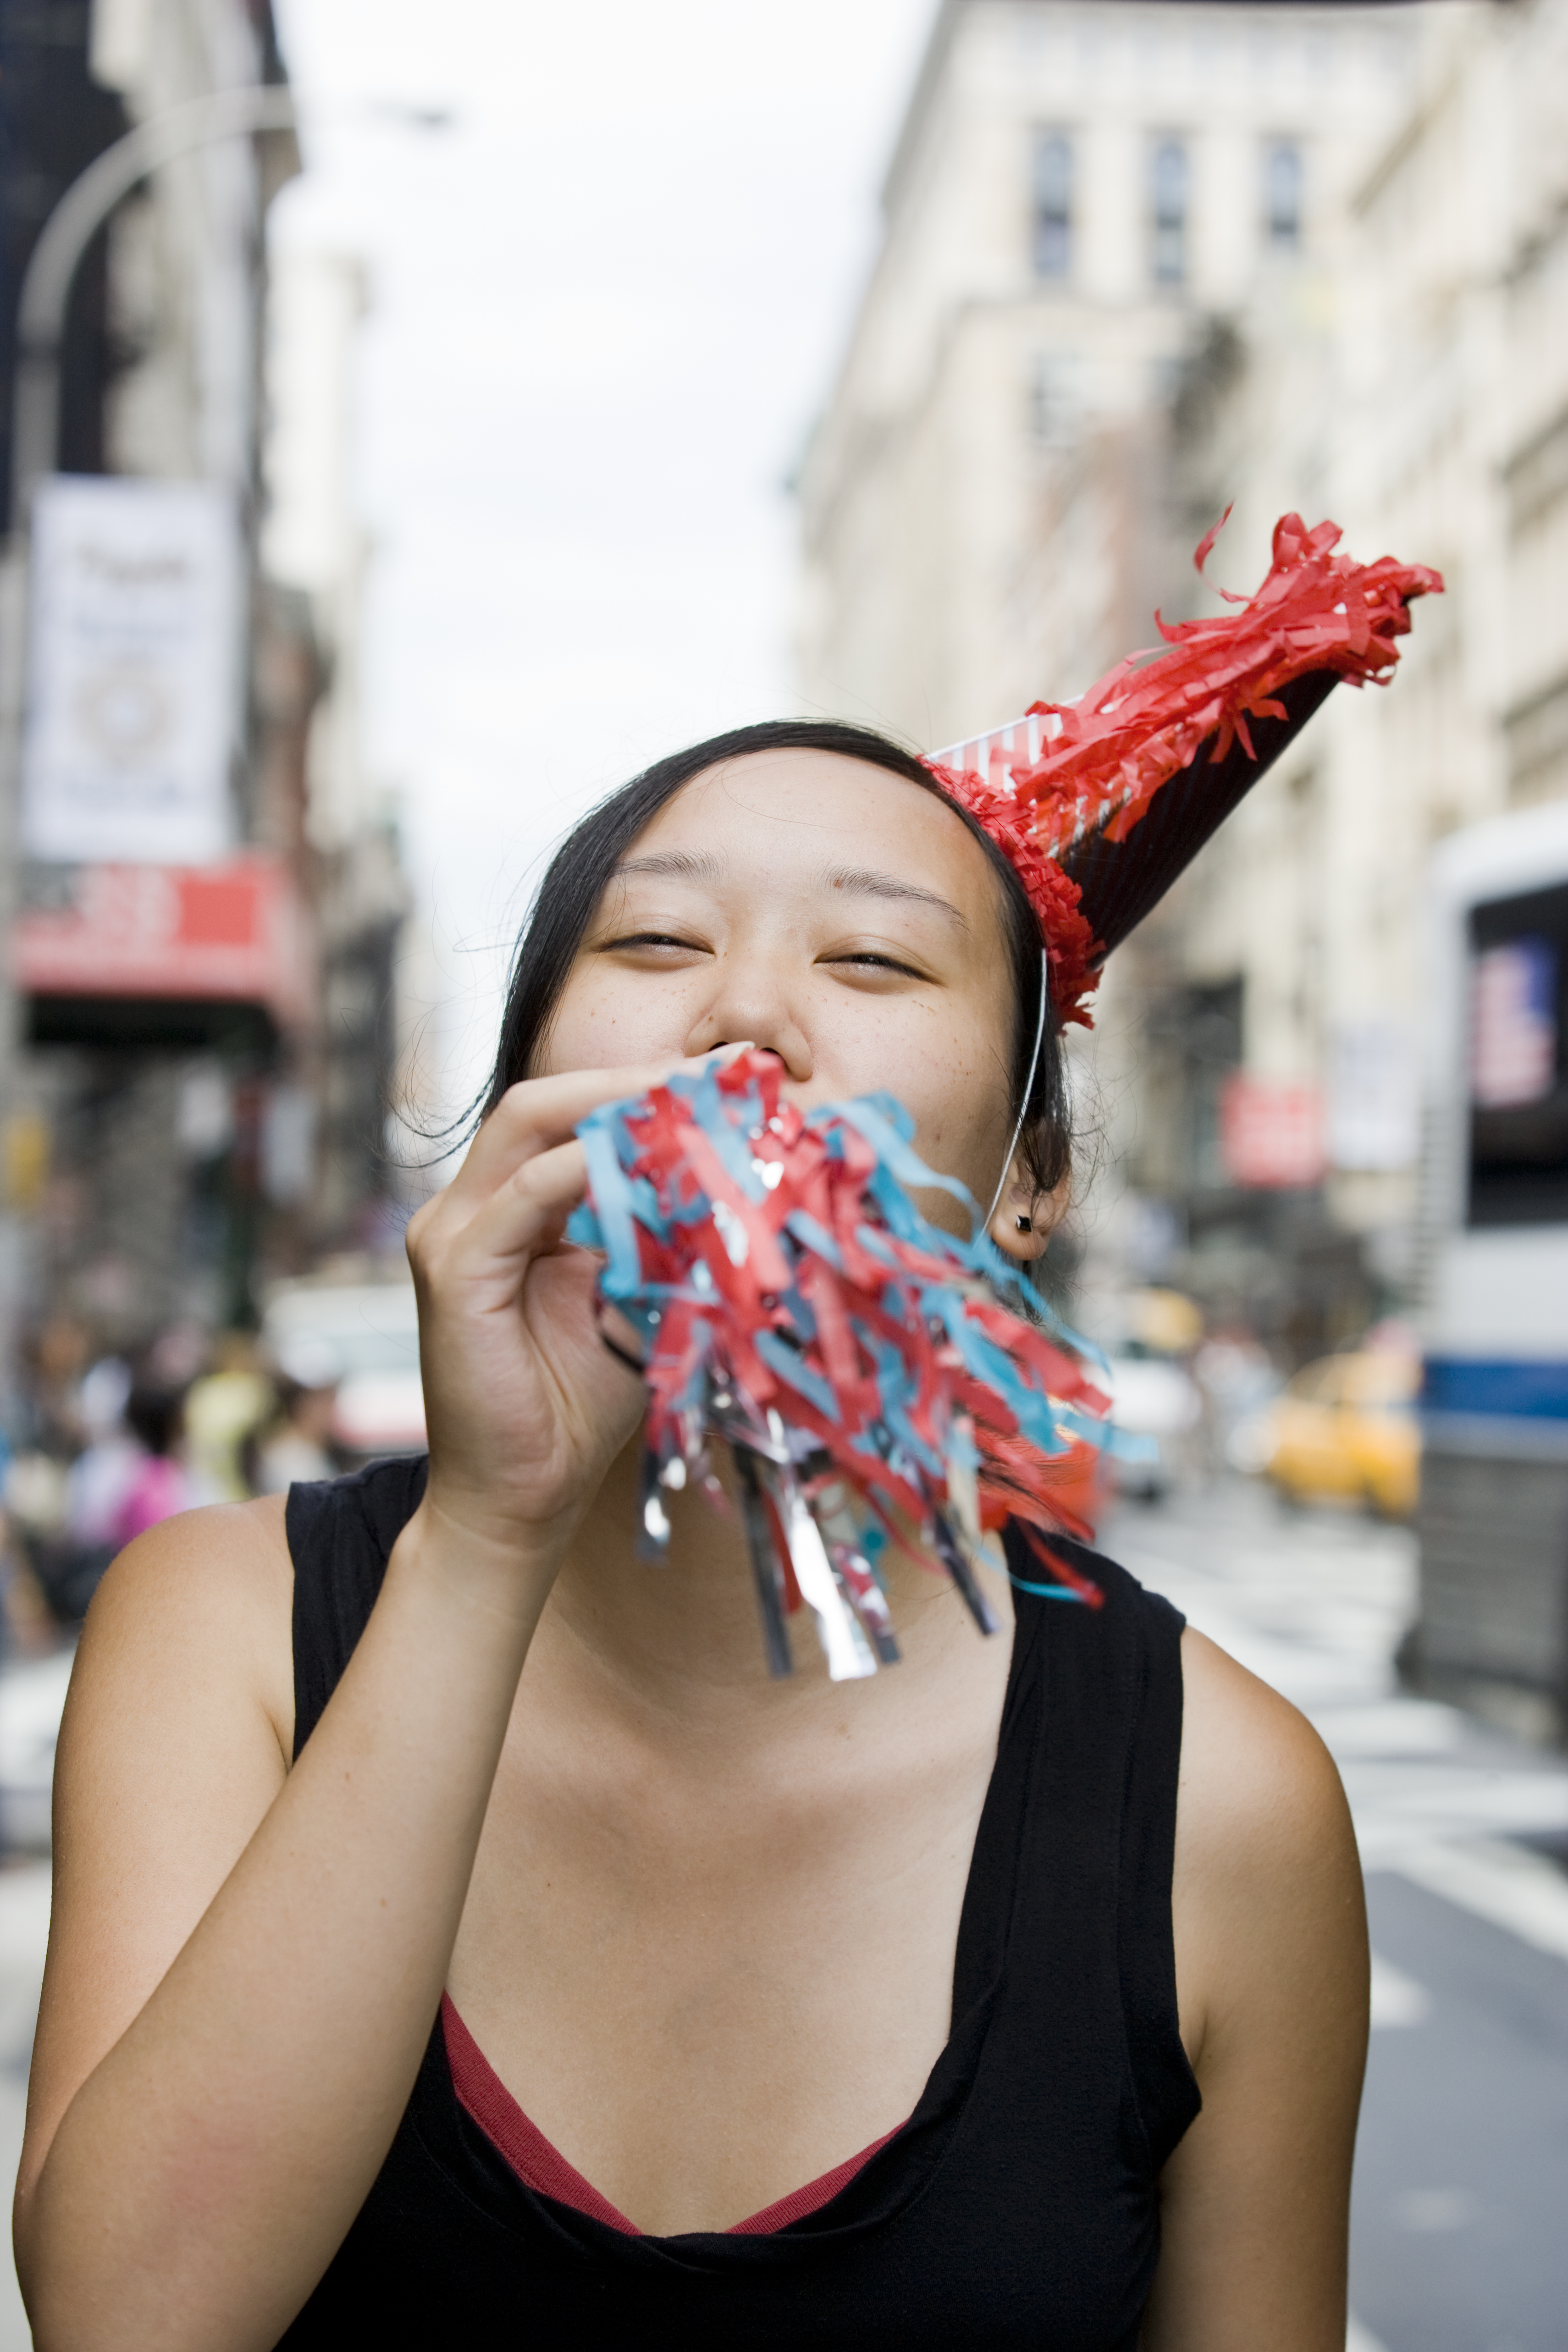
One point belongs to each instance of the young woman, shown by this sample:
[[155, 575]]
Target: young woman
[[458, 1939]]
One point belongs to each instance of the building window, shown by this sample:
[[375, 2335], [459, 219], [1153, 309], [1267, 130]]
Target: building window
[[1168, 211], [1054, 406], [1283, 195], [1053, 204]]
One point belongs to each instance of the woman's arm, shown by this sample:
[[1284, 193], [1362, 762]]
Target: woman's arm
[[1272, 1967], [243, 1965], [246, 1961]]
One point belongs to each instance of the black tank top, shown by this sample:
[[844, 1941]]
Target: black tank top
[[1018, 2206]]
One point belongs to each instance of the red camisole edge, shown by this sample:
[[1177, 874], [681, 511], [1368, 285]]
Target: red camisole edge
[[540, 2165]]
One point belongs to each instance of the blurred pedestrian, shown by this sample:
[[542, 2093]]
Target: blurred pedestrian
[[98, 1479], [53, 1363], [159, 1484], [1238, 1379], [297, 1446], [73, 1536], [225, 1409]]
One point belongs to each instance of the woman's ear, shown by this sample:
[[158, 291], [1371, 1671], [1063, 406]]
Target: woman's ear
[[1025, 1219]]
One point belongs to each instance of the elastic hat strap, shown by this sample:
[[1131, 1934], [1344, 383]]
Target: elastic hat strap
[[1028, 1088]]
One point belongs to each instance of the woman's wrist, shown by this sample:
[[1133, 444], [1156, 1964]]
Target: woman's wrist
[[476, 1562]]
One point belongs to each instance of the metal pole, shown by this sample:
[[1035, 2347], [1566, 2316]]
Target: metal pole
[[40, 328], [70, 228]]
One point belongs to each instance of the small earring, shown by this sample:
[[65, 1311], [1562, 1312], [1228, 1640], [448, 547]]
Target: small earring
[[1024, 1224]]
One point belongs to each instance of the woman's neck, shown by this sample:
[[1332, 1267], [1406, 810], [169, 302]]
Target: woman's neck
[[684, 1637]]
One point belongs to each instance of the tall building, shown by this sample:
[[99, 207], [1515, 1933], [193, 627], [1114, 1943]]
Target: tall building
[[54, 119], [207, 981], [1100, 221], [1420, 396], [186, 287], [313, 559], [1431, 409], [1079, 188]]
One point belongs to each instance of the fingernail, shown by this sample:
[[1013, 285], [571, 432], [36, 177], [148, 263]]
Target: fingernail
[[729, 1053]]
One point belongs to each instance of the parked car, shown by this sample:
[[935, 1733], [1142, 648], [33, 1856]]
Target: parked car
[[362, 1338], [1157, 1402], [1346, 1429]]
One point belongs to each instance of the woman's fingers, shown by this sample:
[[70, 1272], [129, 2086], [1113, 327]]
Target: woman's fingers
[[526, 1405], [539, 1113], [523, 1216]]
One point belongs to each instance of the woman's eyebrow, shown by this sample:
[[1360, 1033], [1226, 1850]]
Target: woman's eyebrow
[[865, 882], [678, 864], [860, 881]]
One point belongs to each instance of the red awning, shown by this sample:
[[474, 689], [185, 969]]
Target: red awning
[[236, 933]]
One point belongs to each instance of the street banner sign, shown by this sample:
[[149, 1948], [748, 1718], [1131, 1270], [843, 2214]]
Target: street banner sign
[[1271, 1134], [233, 933], [133, 672]]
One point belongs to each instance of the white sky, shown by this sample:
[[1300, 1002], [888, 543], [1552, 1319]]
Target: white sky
[[607, 304]]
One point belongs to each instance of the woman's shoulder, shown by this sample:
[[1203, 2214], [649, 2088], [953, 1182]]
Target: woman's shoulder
[[201, 1601], [1256, 1776], [1267, 1872], [1250, 1763], [210, 1597], [215, 1552]]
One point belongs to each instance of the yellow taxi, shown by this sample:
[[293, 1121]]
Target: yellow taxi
[[1346, 1428]]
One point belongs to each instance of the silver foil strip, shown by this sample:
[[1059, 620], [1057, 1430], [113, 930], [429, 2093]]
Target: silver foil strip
[[767, 1575], [653, 1519], [833, 1507], [848, 1654], [857, 1582], [955, 1560], [737, 1421]]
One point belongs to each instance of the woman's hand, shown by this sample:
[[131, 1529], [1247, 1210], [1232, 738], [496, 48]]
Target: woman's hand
[[526, 1406]]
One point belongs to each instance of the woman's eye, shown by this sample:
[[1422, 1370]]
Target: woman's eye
[[869, 959], [649, 940]]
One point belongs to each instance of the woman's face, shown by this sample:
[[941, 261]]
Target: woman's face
[[834, 915]]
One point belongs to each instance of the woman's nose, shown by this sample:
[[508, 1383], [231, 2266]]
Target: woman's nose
[[752, 1005]]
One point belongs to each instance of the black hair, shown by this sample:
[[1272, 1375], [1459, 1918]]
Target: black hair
[[155, 1413], [576, 876]]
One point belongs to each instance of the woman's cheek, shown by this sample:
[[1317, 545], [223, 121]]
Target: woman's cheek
[[965, 1128], [954, 1096], [605, 1021]]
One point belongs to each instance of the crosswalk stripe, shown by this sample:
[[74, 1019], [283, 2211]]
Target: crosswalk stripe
[[1396, 1999], [1506, 1884]]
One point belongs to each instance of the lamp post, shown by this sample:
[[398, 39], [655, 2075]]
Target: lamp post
[[70, 228], [45, 297]]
